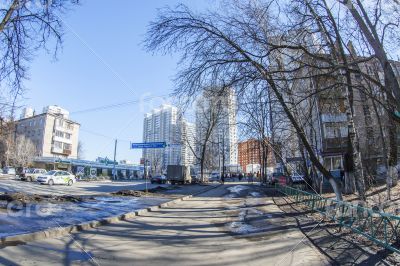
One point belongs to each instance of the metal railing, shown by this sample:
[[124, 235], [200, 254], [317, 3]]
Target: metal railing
[[381, 228]]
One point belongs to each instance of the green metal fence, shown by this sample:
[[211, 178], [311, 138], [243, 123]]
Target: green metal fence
[[381, 228]]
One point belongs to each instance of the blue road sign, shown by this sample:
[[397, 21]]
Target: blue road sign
[[148, 145]]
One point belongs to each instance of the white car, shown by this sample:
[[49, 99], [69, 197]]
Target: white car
[[33, 174], [57, 177]]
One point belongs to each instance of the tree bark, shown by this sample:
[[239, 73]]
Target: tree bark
[[8, 15]]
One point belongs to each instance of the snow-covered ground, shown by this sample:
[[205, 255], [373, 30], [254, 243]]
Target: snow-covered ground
[[238, 188], [35, 217], [251, 216]]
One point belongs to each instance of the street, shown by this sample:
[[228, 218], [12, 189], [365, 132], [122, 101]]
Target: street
[[79, 188], [233, 224]]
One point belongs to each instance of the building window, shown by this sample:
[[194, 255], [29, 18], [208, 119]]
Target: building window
[[67, 136], [335, 130], [333, 163], [59, 134], [70, 126], [58, 144], [67, 146]]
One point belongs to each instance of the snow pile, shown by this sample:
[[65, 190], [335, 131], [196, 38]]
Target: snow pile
[[255, 194], [242, 228], [237, 189], [40, 216]]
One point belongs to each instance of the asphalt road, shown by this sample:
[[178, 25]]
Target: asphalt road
[[230, 225], [79, 188]]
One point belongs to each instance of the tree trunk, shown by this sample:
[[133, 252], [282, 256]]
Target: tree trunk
[[392, 150], [353, 141], [366, 27], [303, 138], [349, 182], [384, 152]]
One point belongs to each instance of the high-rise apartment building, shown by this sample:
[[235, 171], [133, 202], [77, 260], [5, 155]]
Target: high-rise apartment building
[[52, 132], [216, 121], [165, 124], [188, 135]]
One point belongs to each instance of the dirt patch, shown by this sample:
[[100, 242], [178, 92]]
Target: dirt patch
[[340, 244], [376, 198], [158, 189], [25, 198], [156, 192], [131, 193]]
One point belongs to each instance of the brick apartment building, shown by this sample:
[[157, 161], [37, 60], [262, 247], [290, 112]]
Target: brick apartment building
[[250, 154]]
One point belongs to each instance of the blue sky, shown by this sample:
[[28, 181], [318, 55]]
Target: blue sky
[[103, 62]]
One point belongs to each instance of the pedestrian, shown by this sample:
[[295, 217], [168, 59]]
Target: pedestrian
[[223, 178]]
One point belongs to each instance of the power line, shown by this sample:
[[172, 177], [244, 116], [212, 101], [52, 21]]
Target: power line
[[117, 105]]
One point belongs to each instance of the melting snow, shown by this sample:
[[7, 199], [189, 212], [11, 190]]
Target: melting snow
[[237, 189], [242, 228], [255, 194], [36, 217]]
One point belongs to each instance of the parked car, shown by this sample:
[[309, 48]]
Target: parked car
[[159, 179], [196, 179], [214, 177], [32, 174], [20, 171], [57, 177], [279, 178], [296, 179], [9, 171]]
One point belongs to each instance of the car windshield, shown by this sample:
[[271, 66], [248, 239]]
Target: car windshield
[[51, 172], [29, 170]]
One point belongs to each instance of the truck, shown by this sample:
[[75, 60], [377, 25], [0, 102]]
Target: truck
[[178, 174]]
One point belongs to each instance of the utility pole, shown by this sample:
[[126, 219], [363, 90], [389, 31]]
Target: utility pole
[[115, 154], [219, 156], [146, 174], [223, 153]]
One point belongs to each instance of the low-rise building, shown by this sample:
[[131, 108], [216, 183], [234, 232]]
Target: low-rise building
[[52, 132]]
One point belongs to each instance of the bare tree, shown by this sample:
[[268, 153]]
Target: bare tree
[[378, 22], [25, 27], [156, 163], [255, 122], [208, 115], [225, 50], [23, 151]]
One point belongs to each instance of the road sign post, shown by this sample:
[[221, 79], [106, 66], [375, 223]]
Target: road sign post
[[148, 145]]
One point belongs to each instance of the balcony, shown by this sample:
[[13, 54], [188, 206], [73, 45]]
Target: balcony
[[333, 118], [61, 151], [63, 128], [60, 139], [334, 145]]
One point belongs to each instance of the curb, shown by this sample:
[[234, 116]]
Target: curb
[[61, 231]]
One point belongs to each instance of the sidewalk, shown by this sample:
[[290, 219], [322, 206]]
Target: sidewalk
[[191, 232]]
